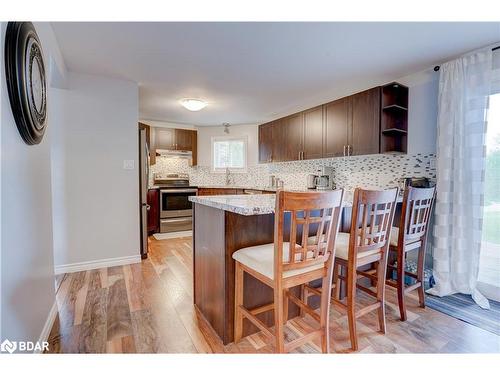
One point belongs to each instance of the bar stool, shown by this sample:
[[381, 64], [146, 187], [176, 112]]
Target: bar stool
[[282, 265], [367, 243], [415, 215]]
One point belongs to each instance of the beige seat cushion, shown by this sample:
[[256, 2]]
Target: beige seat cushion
[[394, 236], [342, 247], [261, 259]]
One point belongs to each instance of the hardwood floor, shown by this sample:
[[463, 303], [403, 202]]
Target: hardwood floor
[[147, 308]]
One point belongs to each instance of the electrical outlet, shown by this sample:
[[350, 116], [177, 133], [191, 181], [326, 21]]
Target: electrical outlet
[[128, 164]]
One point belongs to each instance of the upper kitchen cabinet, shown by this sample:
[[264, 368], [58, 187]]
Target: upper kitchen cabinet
[[293, 137], [170, 139], [164, 138], [369, 122], [265, 142], [337, 120], [394, 118], [271, 137], [313, 133], [365, 128], [183, 139]]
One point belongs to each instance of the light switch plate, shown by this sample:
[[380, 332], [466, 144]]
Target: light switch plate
[[128, 164]]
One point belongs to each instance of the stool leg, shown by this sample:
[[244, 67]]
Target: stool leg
[[401, 283], [238, 301], [336, 280], [278, 319], [351, 306], [285, 306], [304, 296], [420, 275], [326, 295], [381, 271]]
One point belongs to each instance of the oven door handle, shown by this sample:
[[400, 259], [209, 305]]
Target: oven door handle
[[170, 191], [177, 220]]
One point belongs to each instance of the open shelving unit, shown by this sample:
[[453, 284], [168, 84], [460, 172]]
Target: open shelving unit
[[394, 119]]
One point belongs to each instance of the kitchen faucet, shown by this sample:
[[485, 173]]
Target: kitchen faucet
[[229, 177]]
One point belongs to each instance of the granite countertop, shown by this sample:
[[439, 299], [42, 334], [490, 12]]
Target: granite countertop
[[249, 204], [239, 187], [243, 187]]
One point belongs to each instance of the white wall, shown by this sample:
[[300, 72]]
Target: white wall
[[27, 268], [96, 201], [422, 111], [205, 134]]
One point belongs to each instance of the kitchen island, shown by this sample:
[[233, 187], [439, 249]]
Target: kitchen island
[[223, 225]]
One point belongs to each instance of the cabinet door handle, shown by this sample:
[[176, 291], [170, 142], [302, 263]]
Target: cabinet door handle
[[349, 150], [344, 150]]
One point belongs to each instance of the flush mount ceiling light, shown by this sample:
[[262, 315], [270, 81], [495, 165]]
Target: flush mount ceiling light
[[193, 104]]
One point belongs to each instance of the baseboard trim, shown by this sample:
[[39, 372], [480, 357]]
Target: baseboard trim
[[102, 263], [47, 327]]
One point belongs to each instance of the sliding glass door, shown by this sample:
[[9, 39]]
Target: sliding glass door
[[489, 264]]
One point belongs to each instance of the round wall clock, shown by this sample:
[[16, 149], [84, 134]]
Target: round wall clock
[[26, 83]]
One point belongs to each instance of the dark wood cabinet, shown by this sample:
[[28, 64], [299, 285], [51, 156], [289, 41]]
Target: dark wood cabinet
[[153, 200], [369, 122], [365, 123], [266, 142], [174, 140], [183, 140], [228, 191], [219, 191], [394, 118], [164, 138], [313, 133], [336, 135], [293, 137]]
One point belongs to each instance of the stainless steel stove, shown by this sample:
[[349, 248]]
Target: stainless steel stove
[[176, 211]]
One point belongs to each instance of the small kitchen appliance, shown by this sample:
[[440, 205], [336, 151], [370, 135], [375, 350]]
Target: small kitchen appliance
[[322, 180]]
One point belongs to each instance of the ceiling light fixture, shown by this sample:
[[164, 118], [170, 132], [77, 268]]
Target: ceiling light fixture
[[193, 104]]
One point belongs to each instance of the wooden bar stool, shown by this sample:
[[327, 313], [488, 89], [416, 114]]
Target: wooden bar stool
[[283, 265], [367, 243], [415, 216]]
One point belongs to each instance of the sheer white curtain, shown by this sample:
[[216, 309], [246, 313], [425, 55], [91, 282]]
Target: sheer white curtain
[[464, 88]]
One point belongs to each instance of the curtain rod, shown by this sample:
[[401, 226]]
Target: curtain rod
[[437, 67]]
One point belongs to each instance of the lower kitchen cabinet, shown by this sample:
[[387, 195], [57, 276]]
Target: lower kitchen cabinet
[[219, 191], [231, 191], [153, 200]]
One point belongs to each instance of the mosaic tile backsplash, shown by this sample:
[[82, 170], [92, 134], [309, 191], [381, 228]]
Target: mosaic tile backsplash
[[369, 171]]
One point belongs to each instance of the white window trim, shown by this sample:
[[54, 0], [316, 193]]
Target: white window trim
[[243, 138]]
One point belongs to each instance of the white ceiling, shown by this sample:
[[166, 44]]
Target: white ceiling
[[254, 72]]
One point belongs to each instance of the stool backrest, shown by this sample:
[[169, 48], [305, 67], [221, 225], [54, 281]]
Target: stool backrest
[[415, 214], [372, 217], [314, 209]]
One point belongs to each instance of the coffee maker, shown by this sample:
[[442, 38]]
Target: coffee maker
[[322, 180]]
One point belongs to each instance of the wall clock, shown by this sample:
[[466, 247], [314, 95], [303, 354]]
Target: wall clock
[[26, 83]]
